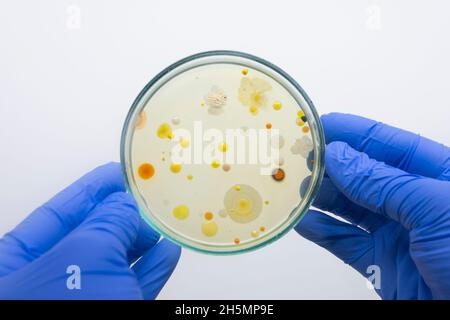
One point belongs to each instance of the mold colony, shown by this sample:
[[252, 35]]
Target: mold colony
[[221, 202]]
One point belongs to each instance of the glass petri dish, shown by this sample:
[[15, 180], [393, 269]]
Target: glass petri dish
[[223, 152]]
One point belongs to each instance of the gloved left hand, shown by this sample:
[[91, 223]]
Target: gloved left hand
[[81, 243]]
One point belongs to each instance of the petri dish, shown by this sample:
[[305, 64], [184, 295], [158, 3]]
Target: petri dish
[[223, 152]]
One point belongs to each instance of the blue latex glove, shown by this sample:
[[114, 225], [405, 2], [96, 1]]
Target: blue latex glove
[[94, 225], [393, 188]]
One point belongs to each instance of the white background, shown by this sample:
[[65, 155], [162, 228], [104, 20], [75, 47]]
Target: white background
[[65, 89]]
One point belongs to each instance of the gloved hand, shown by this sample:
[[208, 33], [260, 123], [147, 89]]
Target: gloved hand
[[393, 188], [93, 227]]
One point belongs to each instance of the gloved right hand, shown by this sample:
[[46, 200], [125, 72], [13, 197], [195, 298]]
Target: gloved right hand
[[393, 188]]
